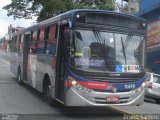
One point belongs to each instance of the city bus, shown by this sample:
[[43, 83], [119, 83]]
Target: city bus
[[83, 57]]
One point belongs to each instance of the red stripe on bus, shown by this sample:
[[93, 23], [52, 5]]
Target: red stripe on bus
[[95, 85]]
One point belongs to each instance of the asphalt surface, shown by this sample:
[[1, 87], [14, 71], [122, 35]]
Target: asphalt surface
[[25, 103]]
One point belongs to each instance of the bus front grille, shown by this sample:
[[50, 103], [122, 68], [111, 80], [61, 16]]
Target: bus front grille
[[110, 91]]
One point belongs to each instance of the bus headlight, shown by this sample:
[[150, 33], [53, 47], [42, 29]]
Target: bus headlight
[[143, 84], [78, 86], [73, 82], [140, 88]]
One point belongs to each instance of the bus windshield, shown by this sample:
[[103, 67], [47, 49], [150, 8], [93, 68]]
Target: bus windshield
[[96, 50]]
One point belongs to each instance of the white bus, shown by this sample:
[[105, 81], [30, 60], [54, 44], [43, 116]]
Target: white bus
[[83, 58]]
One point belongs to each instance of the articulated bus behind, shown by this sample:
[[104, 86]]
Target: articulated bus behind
[[83, 58]]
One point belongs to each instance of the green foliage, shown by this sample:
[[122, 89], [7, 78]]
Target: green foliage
[[22, 9], [45, 9]]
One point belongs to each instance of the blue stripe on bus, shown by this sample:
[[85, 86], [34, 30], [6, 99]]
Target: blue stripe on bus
[[118, 86]]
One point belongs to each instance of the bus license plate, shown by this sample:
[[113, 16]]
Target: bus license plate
[[112, 99]]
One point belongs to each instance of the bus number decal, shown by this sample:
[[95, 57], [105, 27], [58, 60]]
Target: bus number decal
[[130, 86]]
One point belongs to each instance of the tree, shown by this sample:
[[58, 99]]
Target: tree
[[23, 8], [45, 9]]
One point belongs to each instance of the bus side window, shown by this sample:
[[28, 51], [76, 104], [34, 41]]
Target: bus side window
[[41, 34], [34, 36], [18, 43], [15, 44], [33, 43], [21, 44], [12, 41], [51, 39], [41, 42]]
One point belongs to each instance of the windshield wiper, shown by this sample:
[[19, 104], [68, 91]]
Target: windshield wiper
[[123, 50], [127, 40], [97, 35]]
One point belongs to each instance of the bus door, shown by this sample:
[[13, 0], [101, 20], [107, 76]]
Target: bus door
[[25, 55], [60, 66]]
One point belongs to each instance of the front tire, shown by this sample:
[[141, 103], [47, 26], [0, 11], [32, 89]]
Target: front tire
[[47, 94]]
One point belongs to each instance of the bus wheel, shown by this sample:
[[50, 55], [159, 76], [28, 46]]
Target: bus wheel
[[47, 94], [20, 82]]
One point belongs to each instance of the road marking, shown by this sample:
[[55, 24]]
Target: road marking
[[4, 61], [125, 112], [120, 110]]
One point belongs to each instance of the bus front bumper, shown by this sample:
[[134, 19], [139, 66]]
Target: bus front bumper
[[79, 98]]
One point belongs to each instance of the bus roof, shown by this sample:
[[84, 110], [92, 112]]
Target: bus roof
[[70, 14]]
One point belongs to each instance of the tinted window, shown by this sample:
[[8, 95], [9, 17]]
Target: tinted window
[[51, 39]]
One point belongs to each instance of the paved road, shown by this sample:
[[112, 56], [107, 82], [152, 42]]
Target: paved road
[[24, 100]]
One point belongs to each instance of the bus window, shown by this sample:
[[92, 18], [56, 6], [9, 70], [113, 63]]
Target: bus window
[[34, 36], [41, 35], [12, 41], [41, 43], [33, 43], [15, 44], [21, 44], [18, 43], [33, 47], [52, 34], [51, 39]]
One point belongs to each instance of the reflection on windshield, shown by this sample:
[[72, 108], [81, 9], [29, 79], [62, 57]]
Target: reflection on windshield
[[123, 50], [95, 50]]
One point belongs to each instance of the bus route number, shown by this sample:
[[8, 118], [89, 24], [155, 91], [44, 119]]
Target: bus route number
[[130, 86]]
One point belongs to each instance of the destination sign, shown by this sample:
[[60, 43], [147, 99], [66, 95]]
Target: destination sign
[[109, 19]]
